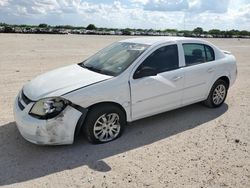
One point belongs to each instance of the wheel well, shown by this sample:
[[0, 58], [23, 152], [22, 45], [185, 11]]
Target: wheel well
[[81, 120], [225, 79], [108, 103]]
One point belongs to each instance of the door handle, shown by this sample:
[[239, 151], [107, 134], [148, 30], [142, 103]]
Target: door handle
[[175, 78], [210, 70]]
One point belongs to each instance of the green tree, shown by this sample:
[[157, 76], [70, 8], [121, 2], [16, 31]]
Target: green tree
[[244, 33], [91, 27], [127, 31], [8, 29], [64, 27], [171, 30], [198, 31], [214, 32], [186, 33], [43, 25], [140, 30], [3, 24], [228, 34]]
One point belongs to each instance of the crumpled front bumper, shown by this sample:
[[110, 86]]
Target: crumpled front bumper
[[56, 131]]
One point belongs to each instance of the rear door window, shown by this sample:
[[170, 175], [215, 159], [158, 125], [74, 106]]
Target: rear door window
[[197, 53]]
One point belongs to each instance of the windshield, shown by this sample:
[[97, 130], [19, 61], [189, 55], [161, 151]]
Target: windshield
[[115, 58]]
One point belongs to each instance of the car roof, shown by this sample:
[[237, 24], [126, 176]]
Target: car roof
[[159, 40]]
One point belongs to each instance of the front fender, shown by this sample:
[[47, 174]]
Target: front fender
[[113, 90]]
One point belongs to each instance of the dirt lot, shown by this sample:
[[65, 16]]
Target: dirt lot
[[189, 147]]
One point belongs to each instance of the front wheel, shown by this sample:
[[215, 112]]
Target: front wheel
[[217, 94], [104, 124]]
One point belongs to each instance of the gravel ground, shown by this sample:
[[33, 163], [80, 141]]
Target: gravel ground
[[190, 147]]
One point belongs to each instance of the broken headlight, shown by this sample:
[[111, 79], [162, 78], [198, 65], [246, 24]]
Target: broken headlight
[[48, 108]]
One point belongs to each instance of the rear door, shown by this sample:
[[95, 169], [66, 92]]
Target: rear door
[[199, 71]]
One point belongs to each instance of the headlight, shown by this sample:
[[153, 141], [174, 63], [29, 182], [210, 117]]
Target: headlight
[[48, 108]]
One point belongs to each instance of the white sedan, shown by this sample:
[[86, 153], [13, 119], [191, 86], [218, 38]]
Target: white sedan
[[126, 81]]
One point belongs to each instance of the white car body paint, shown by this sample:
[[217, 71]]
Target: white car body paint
[[138, 97], [60, 81], [59, 130]]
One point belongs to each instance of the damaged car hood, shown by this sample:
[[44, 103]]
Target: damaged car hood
[[61, 81]]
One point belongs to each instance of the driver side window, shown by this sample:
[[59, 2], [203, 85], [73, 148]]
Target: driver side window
[[162, 60]]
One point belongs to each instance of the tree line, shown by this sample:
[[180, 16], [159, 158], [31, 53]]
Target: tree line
[[196, 32]]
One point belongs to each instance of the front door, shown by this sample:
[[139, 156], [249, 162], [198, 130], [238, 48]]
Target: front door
[[161, 91]]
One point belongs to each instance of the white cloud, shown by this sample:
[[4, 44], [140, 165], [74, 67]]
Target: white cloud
[[213, 6], [166, 5], [139, 1], [3, 3], [244, 12], [157, 14]]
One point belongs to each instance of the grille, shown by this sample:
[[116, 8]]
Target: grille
[[20, 105], [25, 99]]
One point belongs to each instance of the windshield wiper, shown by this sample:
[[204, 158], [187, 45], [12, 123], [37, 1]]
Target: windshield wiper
[[96, 69], [90, 68]]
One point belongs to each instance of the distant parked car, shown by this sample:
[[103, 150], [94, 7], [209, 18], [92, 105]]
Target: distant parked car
[[125, 81]]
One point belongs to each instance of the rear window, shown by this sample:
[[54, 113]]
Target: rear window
[[197, 53], [209, 53]]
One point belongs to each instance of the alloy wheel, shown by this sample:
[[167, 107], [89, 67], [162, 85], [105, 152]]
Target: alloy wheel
[[107, 127], [219, 94]]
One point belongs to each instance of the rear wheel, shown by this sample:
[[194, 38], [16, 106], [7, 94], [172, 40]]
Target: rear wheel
[[217, 94], [104, 123]]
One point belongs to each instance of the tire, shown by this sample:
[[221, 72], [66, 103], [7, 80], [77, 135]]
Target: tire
[[101, 121], [219, 86]]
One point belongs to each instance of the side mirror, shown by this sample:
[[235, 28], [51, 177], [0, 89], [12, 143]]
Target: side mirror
[[145, 71]]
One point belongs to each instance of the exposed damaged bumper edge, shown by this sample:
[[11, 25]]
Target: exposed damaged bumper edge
[[56, 131], [81, 120]]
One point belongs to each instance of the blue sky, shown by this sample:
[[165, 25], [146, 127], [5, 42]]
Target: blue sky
[[156, 14]]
